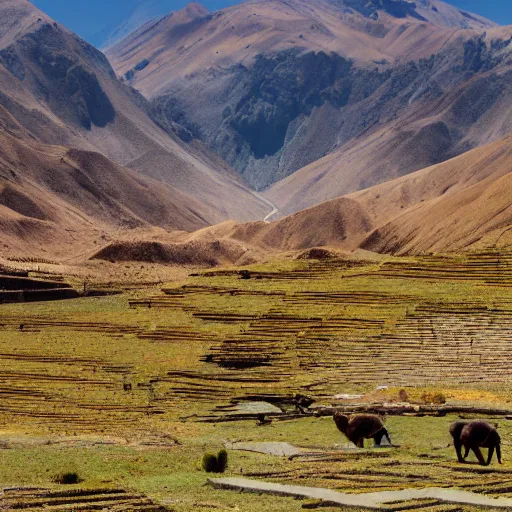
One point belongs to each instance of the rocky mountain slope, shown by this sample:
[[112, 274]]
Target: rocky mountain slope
[[192, 39], [80, 153], [144, 11], [274, 87], [456, 101]]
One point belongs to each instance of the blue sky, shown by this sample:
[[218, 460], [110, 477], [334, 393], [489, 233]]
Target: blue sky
[[499, 11], [89, 18]]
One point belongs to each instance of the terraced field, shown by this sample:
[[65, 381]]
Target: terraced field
[[83, 500], [161, 371]]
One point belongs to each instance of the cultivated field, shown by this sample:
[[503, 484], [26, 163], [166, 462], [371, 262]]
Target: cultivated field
[[129, 391]]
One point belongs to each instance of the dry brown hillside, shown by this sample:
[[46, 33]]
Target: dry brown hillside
[[458, 205], [58, 201], [455, 205], [81, 157], [451, 206], [462, 204]]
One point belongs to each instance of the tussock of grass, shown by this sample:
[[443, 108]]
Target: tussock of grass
[[69, 478], [215, 463]]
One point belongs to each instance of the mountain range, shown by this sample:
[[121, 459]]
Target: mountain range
[[375, 124]]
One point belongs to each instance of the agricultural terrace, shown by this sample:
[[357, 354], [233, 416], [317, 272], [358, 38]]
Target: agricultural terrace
[[129, 391]]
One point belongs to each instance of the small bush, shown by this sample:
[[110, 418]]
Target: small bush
[[222, 460], [210, 463], [215, 463], [68, 479], [439, 398]]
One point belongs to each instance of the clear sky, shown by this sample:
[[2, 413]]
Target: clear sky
[[88, 18], [499, 11]]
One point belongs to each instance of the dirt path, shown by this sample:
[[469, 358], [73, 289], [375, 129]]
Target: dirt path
[[275, 209], [277, 449], [371, 501]]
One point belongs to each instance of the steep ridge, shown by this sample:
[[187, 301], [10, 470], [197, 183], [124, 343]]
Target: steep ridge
[[433, 11], [74, 137], [58, 201], [275, 86], [462, 204], [145, 12], [193, 39]]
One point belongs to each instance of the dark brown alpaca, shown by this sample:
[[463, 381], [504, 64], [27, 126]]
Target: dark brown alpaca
[[359, 427], [473, 436]]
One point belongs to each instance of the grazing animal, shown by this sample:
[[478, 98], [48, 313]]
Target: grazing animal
[[303, 402], [473, 436], [359, 427]]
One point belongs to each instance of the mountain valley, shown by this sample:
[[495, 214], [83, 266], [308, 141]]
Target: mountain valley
[[301, 114], [336, 77], [258, 258]]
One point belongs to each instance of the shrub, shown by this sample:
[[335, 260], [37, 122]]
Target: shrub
[[68, 479], [210, 463], [222, 460], [215, 463], [439, 398]]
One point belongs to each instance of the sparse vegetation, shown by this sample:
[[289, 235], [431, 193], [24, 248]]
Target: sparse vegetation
[[222, 461], [433, 397], [209, 463]]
